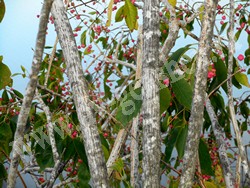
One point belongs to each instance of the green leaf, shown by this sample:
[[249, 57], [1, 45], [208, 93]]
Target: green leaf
[[201, 10], [6, 137], [118, 165], [241, 78], [205, 160], [165, 123], [183, 92], [243, 126], [2, 10], [3, 174], [79, 147], [210, 184], [106, 152], [83, 37], [223, 27], [17, 93], [165, 98], [130, 13], [237, 35], [87, 52], [108, 93], [247, 55], [181, 140], [5, 97], [119, 14], [169, 66], [221, 71], [83, 175], [244, 109], [70, 150], [130, 106], [5, 76], [110, 7], [104, 141], [44, 156], [171, 139]]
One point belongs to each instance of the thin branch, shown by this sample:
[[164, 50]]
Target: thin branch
[[30, 92], [61, 184], [231, 49], [172, 35], [18, 173], [220, 140], [50, 62]]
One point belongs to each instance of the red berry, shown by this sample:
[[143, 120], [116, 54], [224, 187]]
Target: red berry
[[240, 57]]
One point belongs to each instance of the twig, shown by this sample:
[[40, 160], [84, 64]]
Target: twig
[[224, 81], [50, 62], [18, 173], [231, 50]]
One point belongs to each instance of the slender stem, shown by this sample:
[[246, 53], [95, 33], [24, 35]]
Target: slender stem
[[30, 92]]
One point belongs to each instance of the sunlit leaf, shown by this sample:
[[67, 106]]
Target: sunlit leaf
[[172, 2], [241, 78], [201, 10], [210, 184], [130, 13], [219, 174], [5, 75], [119, 14]]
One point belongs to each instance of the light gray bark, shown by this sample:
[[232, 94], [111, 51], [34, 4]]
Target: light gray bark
[[231, 51], [220, 140], [30, 92], [150, 95], [83, 105], [197, 110]]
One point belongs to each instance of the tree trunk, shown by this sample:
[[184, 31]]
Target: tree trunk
[[83, 105], [30, 92], [237, 131], [197, 111], [150, 95]]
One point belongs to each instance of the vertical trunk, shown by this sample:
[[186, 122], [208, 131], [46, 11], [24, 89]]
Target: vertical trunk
[[197, 111], [83, 105], [150, 95], [30, 92], [231, 50]]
